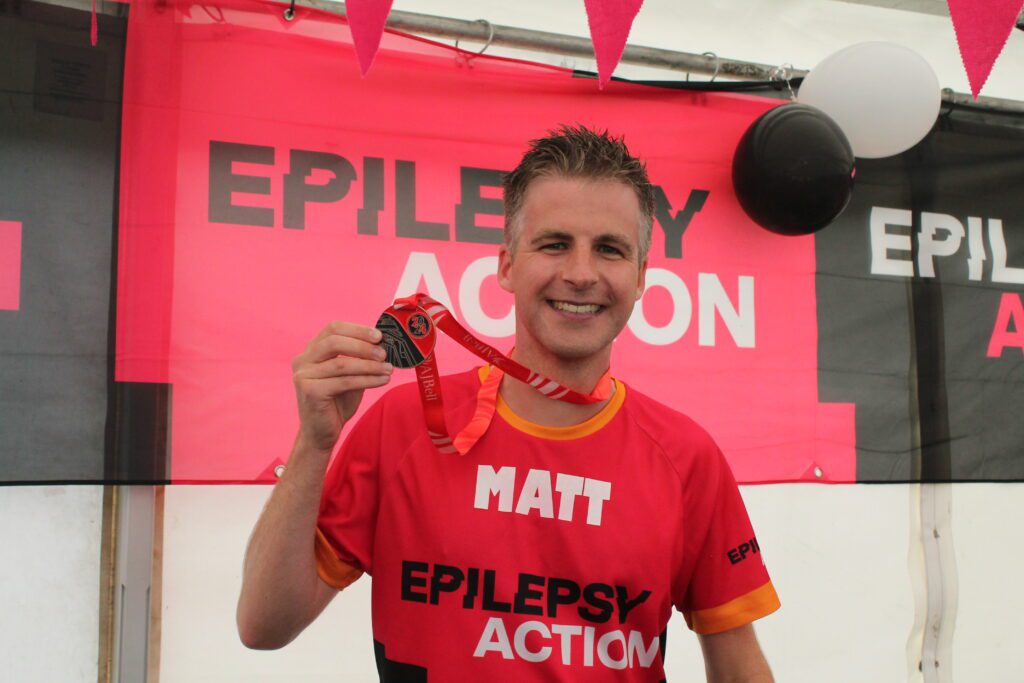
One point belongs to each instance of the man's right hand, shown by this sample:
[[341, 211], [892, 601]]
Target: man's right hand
[[330, 376]]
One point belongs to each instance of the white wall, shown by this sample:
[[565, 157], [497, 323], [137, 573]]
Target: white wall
[[50, 583], [988, 539], [206, 529]]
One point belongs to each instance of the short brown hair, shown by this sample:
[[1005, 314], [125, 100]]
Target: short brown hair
[[578, 152]]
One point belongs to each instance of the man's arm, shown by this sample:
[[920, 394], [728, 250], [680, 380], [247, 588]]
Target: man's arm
[[734, 657], [281, 591]]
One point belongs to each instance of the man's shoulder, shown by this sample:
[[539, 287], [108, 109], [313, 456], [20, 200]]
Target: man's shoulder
[[686, 445], [663, 422]]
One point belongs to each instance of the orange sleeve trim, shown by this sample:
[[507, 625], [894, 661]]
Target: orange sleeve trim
[[757, 603], [333, 571]]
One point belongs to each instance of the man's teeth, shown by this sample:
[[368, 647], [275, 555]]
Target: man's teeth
[[573, 308]]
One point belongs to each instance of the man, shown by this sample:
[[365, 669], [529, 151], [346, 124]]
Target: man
[[558, 545]]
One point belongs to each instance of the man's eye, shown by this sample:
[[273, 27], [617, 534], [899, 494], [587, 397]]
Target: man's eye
[[609, 249], [553, 246]]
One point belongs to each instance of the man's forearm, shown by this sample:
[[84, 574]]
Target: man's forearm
[[281, 593], [734, 656], [762, 677]]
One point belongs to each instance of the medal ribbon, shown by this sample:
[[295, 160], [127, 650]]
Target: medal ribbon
[[429, 379]]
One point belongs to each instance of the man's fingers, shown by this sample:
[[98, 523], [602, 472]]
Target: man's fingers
[[344, 328], [343, 366], [339, 345], [336, 386]]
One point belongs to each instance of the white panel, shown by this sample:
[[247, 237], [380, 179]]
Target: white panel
[[206, 529], [50, 583], [838, 558], [988, 540]]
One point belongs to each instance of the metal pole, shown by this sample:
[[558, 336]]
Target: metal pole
[[570, 46], [658, 58], [559, 44]]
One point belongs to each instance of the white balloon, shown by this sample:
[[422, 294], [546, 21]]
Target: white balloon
[[885, 97]]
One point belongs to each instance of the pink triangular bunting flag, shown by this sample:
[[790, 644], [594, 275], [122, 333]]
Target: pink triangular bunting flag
[[610, 22], [366, 19], [982, 29]]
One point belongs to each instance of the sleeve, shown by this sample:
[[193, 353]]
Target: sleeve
[[347, 518], [728, 582]]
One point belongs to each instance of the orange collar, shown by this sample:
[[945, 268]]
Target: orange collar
[[489, 402]]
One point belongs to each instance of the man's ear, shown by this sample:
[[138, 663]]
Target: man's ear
[[641, 280], [504, 265]]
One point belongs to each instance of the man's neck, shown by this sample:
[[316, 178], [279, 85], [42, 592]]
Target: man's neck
[[533, 406]]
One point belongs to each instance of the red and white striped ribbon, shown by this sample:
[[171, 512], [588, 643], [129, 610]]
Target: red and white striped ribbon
[[429, 380]]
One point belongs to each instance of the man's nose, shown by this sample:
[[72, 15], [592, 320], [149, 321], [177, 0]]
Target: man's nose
[[580, 268]]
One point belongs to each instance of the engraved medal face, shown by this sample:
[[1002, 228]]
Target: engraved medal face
[[408, 336]]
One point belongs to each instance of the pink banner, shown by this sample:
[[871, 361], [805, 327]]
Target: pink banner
[[268, 189]]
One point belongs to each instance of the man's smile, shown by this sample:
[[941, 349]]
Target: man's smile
[[575, 308]]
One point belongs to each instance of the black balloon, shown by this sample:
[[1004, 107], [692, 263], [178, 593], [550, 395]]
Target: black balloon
[[793, 170]]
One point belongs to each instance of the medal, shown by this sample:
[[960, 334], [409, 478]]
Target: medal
[[407, 336], [409, 333]]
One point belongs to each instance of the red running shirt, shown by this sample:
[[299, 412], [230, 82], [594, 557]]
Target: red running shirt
[[552, 554]]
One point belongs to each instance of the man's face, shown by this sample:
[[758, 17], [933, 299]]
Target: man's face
[[575, 272]]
